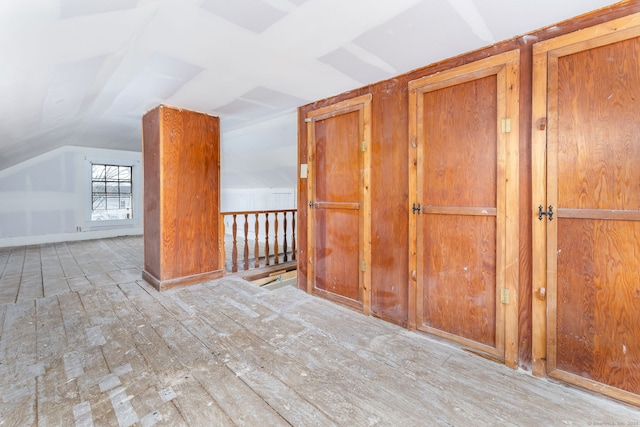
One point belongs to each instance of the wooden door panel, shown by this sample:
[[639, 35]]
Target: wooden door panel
[[598, 314], [338, 236], [336, 255], [598, 127], [598, 151], [459, 151], [459, 171], [459, 295], [337, 162], [462, 235], [587, 169], [336, 205]]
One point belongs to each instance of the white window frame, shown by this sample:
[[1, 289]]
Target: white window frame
[[136, 191]]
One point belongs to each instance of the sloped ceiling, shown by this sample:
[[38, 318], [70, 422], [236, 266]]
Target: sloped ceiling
[[83, 72]]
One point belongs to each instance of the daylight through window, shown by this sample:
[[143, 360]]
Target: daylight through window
[[111, 192]]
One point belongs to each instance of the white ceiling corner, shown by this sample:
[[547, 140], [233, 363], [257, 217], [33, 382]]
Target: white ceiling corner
[[83, 72]]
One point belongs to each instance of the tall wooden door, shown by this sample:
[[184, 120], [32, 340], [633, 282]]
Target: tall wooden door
[[586, 182], [339, 214], [464, 127]]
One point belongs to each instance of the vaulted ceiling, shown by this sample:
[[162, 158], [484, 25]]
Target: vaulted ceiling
[[83, 72]]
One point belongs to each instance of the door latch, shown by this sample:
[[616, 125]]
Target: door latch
[[415, 208], [548, 213]]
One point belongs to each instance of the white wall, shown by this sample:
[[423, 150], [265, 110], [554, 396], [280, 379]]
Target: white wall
[[259, 170], [257, 199], [262, 155], [48, 198]]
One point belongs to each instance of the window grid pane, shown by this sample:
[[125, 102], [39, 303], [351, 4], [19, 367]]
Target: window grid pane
[[111, 192]]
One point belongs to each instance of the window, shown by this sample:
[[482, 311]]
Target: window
[[111, 197]]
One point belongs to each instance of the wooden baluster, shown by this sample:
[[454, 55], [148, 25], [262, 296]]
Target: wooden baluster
[[284, 246], [268, 249], [246, 241], [223, 249], [276, 259], [234, 251], [293, 237], [266, 240], [256, 248]]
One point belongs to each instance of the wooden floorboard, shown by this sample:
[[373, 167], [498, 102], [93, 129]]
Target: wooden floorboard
[[19, 369], [68, 262], [4, 258], [85, 342], [12, 275]]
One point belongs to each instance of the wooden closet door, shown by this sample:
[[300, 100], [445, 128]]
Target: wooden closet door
[[339, 208], [592, 246], [462, 126]]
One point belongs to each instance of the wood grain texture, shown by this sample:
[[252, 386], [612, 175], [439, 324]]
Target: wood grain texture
[[598, 144], [337, 165], [464, 167], [190, 188], [539, 228], [57, 396], [459, 152], [509, 201], [302, 201], [592, 149], [229, 353], [599, 301], [340, 218], [459, 274], [596, 335], [151, 154], [524, 211], [182, 180], [391, 203], [457, 167], [335, 254], [390, 199], [18, 353]]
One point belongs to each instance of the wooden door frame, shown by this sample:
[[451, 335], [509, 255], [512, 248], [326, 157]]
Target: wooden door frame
[[507, 249], [544, 159], [362, 104]]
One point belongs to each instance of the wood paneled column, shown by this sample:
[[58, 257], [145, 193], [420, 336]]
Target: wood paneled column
[[181, 155]]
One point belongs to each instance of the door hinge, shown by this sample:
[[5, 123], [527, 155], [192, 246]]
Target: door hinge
[[363, 146], [307, 120], [505, 125], [363, 266], [548, 213], [311, 204], [504, 296], [416, 208]]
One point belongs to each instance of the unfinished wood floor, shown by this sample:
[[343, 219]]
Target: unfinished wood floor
[[84, 341]]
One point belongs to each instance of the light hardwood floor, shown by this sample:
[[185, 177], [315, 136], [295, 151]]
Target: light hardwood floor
[[85, 342]]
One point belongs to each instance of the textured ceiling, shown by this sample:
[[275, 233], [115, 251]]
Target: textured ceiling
[[83, 72]]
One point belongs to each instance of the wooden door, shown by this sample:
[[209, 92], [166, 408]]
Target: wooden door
[[339, 213], [463, 218], [586, 171]]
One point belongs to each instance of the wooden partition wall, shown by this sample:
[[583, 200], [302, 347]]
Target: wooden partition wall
[[182, 233], [423, 273]]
